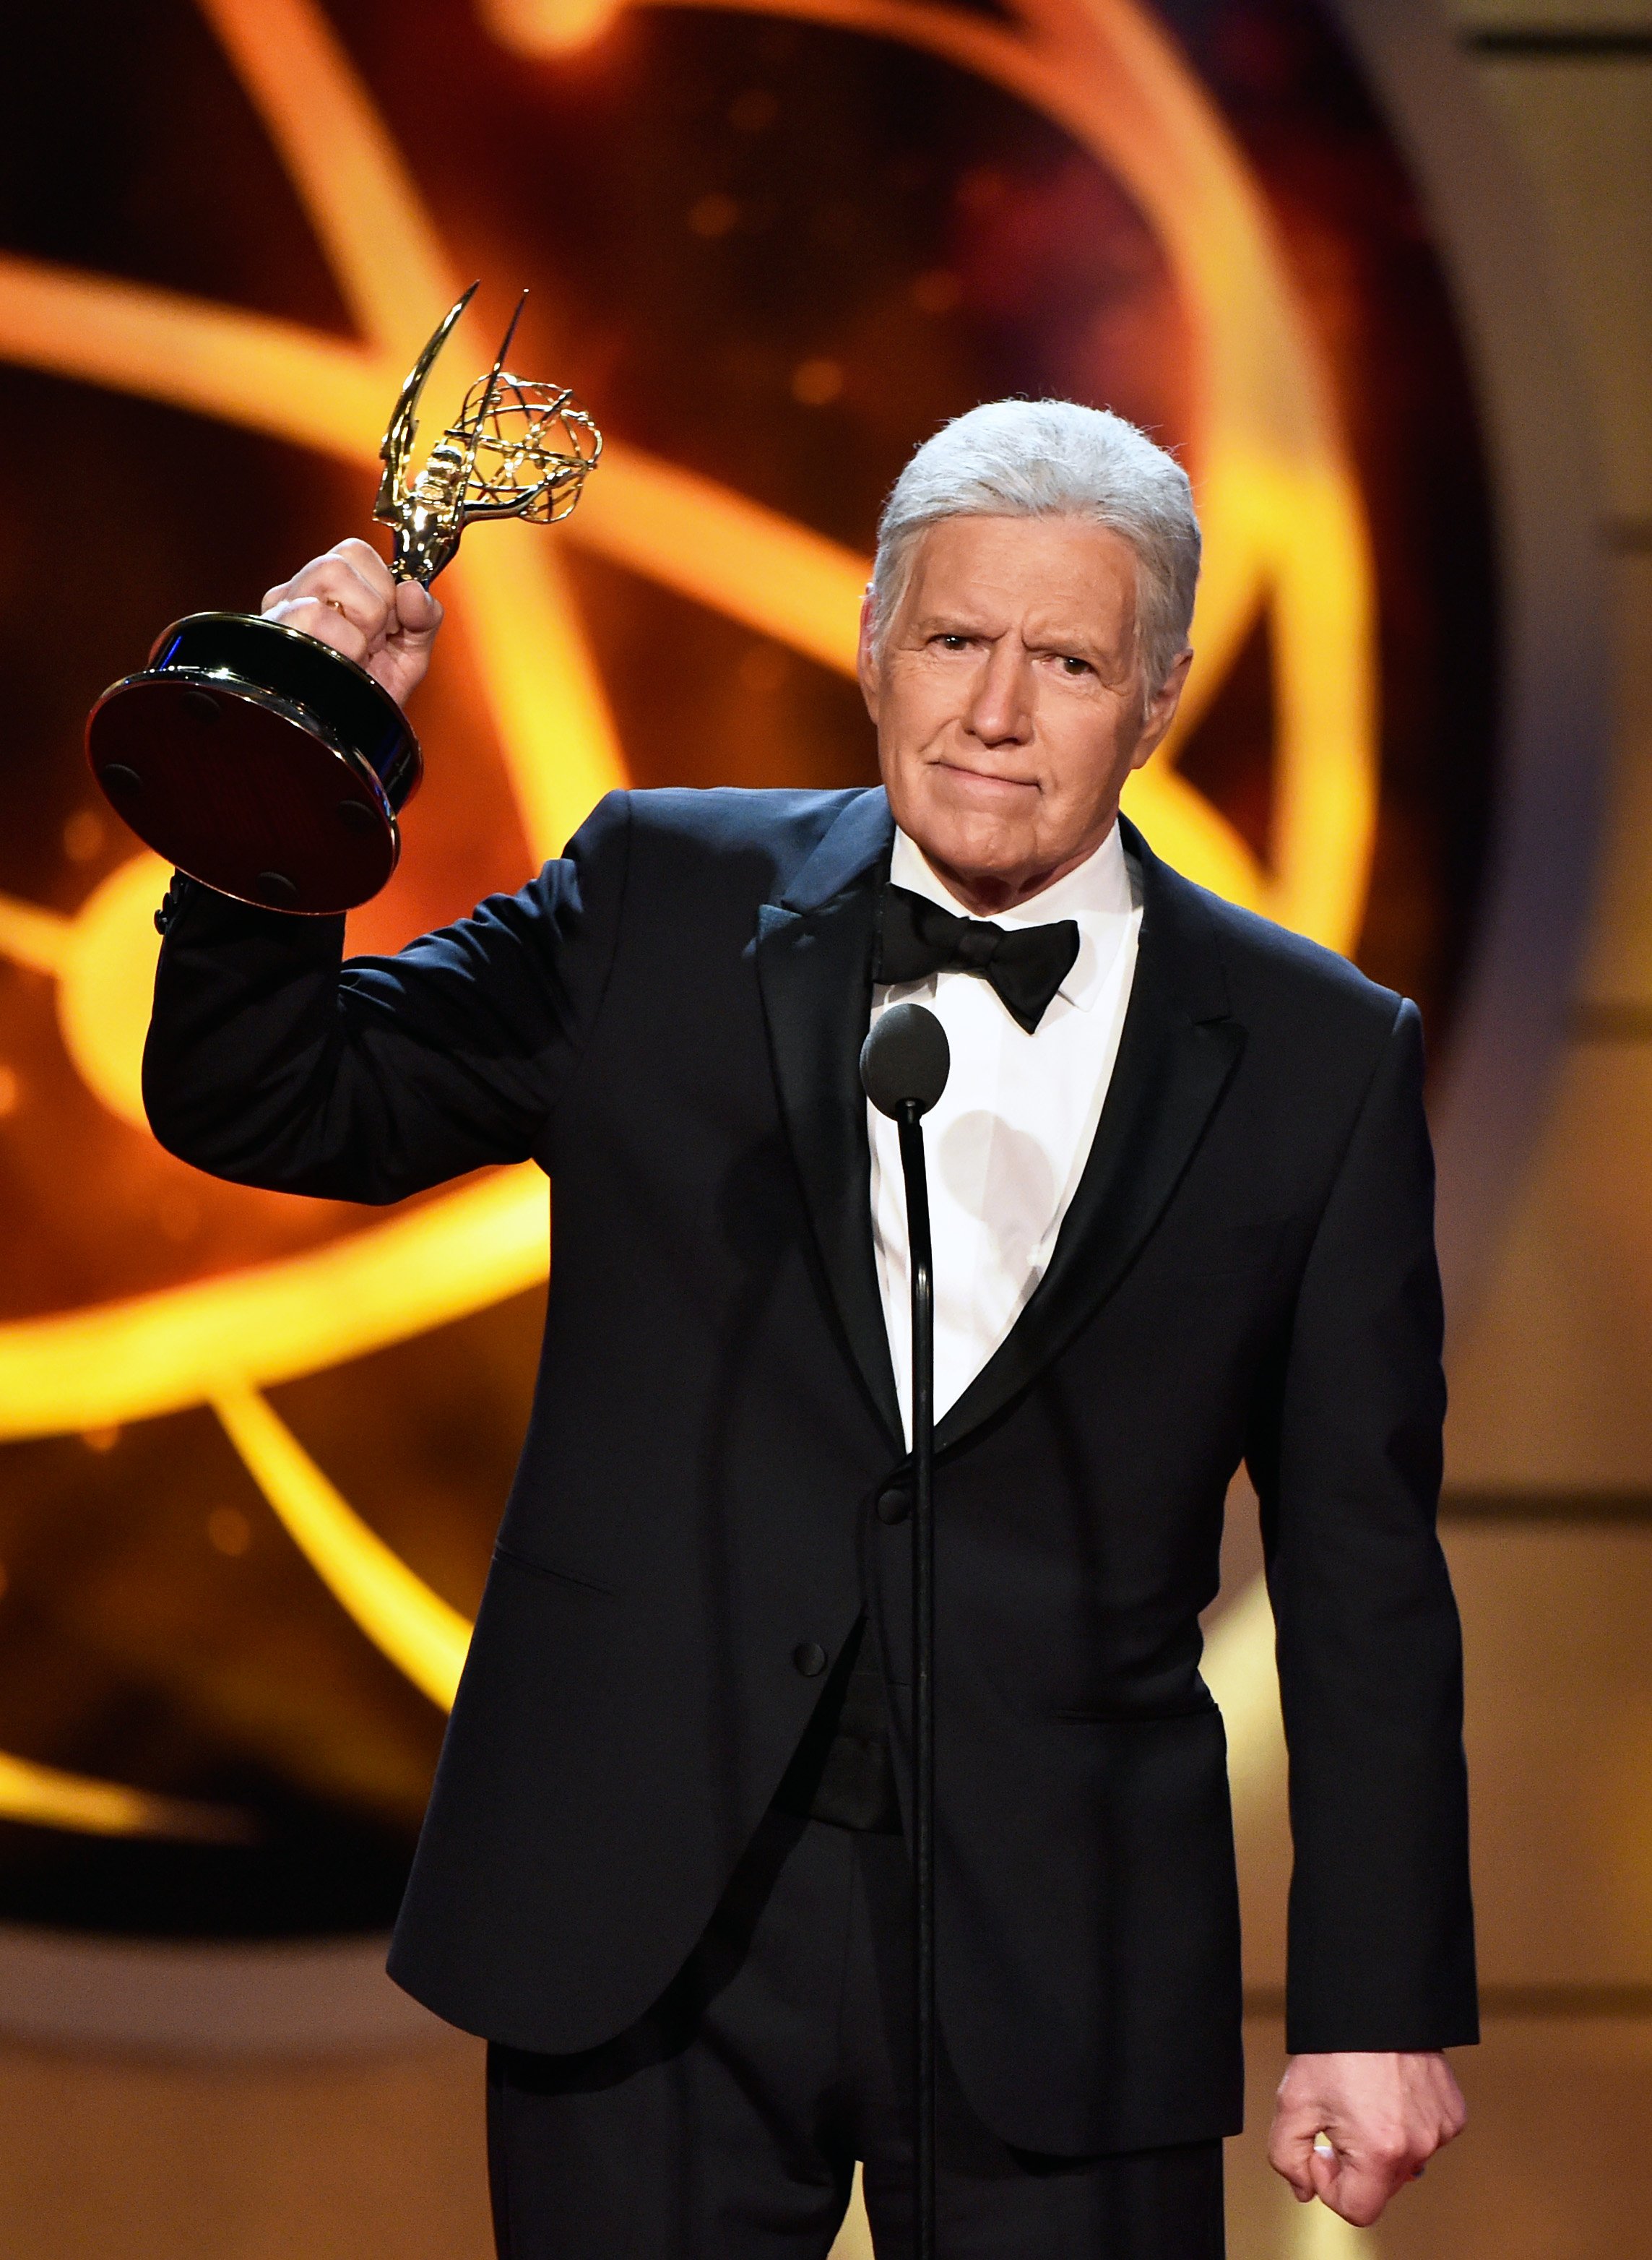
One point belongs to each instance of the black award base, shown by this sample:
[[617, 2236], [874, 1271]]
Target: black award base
[[260, 762]]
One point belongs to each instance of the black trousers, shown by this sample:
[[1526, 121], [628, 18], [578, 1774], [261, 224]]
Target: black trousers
[[726, 2124]]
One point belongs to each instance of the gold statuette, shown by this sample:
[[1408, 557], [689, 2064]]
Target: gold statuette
[[264, 763], [517, 449]]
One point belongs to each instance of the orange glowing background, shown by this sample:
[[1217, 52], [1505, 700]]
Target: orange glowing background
[[251, 1448]]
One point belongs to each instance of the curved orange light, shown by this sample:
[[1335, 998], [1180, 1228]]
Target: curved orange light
[[1283, 529]]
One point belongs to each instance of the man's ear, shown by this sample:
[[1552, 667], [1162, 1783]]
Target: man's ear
[[866, 666], [1162, 712]]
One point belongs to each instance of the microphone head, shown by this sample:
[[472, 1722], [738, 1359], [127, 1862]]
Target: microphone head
[[905, 1061]]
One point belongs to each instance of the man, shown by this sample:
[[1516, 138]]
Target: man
[[1183, 1215]]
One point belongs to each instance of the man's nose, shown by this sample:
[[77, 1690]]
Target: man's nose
[[1001, 711]]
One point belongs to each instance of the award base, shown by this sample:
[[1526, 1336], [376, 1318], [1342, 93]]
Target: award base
[[260, 762]]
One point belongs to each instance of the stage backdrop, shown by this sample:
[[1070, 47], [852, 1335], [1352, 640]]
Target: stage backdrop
[[252, 1450]]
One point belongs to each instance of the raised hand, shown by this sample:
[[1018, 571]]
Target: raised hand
[[350, 599], [1383, 2117]]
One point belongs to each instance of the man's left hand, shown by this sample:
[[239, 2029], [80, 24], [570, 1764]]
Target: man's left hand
[[1383, 2117]]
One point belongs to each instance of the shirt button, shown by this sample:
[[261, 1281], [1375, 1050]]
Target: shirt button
[[894, 1503], [810, 1658]]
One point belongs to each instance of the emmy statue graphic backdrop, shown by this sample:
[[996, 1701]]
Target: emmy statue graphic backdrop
[[251, 1449]]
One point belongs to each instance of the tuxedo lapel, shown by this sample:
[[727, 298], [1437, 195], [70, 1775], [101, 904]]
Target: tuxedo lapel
[[814, 966], [1178, 1048]]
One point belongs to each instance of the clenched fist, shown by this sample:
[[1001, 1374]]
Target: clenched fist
[[1352, 2129], [349, 599]]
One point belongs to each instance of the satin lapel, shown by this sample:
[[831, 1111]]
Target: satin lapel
[[1178, 1048], [814, 968]]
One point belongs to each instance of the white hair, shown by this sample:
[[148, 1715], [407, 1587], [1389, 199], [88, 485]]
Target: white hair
[[1054, 459]]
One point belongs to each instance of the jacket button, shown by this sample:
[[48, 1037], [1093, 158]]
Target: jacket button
[[810, 1658], [894, 1503]]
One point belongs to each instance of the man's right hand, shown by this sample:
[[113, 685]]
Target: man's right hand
[[350, 599]]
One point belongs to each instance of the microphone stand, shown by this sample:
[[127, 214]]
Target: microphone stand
[[904, 1063], [911, 1153]]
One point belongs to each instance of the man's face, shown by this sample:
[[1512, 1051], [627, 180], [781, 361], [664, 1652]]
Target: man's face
[[1008, 700]]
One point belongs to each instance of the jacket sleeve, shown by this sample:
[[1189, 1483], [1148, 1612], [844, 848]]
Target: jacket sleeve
[[1381, 1951], [271, 1063]]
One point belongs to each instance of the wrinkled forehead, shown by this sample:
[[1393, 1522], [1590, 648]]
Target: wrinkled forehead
[[1063, 575]]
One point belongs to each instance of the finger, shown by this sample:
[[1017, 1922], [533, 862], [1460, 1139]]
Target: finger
[[418, 613], [1299, 2180], [1360, 2181], [1290, 2155], [1453, 2119], [348, 564], [1352, 2188], [335, 584], [327, 622], [331, 578], [362, 558], [340, 580]]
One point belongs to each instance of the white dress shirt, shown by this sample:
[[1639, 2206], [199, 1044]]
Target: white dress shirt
[[1008, 1139]]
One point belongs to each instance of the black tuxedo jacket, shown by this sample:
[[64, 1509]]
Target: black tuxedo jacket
[[668, 1019]]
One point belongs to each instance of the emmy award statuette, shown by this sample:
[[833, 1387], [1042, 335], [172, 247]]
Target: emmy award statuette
[[264, 762]]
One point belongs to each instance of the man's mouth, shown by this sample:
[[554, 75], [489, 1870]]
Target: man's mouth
[[987, 783]]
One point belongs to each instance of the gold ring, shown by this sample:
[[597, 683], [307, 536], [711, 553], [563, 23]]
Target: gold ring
[[335, 605]]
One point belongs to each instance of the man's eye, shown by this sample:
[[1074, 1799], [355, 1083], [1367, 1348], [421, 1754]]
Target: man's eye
[[953, 642], [1071, 666]]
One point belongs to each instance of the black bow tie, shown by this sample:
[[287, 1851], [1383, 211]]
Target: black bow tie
[[1026, 966]]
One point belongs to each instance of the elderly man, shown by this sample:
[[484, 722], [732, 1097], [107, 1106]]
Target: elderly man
[[1182, 1199]]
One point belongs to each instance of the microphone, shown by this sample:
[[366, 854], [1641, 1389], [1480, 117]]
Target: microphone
[[904, 1063]]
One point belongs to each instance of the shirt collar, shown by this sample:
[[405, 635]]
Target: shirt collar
[[1102, 895]]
